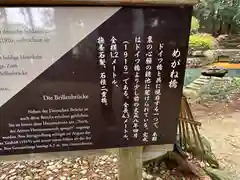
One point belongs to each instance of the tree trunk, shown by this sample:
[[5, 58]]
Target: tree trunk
[[229, 28], [213, 28], [220, 28]]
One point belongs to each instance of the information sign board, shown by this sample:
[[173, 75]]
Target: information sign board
[[78, 78]]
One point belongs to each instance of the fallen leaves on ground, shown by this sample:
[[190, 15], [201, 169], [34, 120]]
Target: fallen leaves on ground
[[86, 168]]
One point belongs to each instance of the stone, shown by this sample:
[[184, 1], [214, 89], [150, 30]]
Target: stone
[[17, 166], [104, 157], [27, 178], [144, 174], [33, 170], [102, 162], [62, 178], [13, 177], [39, 170], [55, 170], [51, 178], [3, 176], [74, 171], [59, 166], [75, 166], [84, 162], [83, 172], [103, 175], [51, 163], [65, 161], [66, 169], [115, 170], [149, 176], [162, 172], [78, 160], [94, 175], [12, 171], [84, 167], [48, 172], [37, 177], [5, 169], [41, 173]]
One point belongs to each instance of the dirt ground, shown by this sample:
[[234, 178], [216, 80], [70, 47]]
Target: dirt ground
[[221, 126]]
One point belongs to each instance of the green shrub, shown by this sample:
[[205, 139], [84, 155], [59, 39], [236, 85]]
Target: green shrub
[[202, 41], [194, 25]]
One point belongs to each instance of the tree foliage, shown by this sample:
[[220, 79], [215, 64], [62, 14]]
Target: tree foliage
[[194, 25], [223, 16]]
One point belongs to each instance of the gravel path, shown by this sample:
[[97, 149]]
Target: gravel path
[[221, 126], [223, 132]]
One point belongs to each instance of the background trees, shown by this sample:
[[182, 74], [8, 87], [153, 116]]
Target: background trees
[[218, 16]]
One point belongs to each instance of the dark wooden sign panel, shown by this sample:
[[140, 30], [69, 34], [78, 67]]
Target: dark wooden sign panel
[[98, 77]]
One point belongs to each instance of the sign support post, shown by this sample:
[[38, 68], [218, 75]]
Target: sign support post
[[130, 163]]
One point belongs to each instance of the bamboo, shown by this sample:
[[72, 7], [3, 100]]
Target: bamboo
[[98, 2], [197, 132], [185, 117], [180, 133], [191, 126], [190, 122], [184, 132]]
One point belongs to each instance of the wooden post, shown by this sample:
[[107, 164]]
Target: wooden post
[[130, 163]]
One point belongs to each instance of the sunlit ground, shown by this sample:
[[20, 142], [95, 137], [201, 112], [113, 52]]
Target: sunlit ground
[[227, 65]]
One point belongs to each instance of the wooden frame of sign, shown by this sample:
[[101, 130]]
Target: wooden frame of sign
[[99, 2], [130, 159]]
